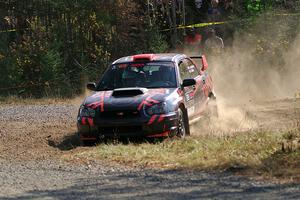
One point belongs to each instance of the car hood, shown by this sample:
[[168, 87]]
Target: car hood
[[128, 98]]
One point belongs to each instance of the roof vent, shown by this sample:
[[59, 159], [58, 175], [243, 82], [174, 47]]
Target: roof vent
[[128, 92]]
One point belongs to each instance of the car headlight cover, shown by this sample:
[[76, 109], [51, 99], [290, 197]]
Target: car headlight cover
[[86, 112], [157, 109]]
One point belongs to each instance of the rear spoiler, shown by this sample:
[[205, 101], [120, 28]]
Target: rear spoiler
[[196, 57], [203, 60]]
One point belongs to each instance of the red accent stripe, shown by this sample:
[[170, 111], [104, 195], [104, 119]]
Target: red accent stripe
[[141, 105], [153, 100], [152, 119], [83, 121], [161, 118], [164, 134], [102, 102], [148, 101], [91, 121]]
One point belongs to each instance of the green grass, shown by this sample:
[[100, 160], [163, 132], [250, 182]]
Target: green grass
[[256, 154], [204, 153]]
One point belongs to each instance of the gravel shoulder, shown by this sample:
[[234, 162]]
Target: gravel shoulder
[[56, 180], [33, 138]]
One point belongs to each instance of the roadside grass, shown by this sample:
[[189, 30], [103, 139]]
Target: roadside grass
[[245, 150], [252, 153], [286, 163], [283, 165]]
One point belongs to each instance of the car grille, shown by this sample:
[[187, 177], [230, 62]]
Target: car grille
[[120, 114]]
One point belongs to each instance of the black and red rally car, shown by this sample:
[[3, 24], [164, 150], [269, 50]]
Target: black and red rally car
[[146, 95]]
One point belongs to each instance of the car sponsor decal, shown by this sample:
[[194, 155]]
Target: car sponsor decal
[[160, 90]]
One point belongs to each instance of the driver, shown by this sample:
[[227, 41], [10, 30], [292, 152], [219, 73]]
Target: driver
[[164, 74]]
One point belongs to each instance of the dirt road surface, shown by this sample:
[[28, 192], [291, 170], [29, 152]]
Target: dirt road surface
[[33, 138]]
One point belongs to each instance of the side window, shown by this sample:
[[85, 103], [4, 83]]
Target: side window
[[192, 69], [183, 69]]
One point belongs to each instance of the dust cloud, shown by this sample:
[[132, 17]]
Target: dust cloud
[[260, 66]]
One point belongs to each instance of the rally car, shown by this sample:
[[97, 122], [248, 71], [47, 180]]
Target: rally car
[[146, 95]]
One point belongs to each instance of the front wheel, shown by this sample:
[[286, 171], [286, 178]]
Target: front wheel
[[183, 128]]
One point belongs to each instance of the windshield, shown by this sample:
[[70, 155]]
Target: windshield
[[142, 74]]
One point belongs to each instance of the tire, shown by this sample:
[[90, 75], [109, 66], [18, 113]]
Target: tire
[[183, 125]]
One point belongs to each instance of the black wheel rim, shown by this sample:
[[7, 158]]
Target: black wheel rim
[[181, 125]]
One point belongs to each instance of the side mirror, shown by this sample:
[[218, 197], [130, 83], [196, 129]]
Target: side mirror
[[204, 63], [91, 86], [188, 82]]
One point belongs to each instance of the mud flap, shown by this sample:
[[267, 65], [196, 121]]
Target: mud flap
[[187, 125]]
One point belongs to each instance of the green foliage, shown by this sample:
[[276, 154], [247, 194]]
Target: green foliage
[[52, 47], [57, 45], [254, 6], [156, 41]]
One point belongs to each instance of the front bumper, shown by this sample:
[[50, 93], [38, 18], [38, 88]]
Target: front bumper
[[155, 126]]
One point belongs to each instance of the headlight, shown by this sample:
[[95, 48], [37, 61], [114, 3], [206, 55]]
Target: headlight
[[157, 109], [86, 112]]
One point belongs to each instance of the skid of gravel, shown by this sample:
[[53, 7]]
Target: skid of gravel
[[33, 138]]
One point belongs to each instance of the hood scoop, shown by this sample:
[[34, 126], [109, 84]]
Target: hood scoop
[[129, 92]]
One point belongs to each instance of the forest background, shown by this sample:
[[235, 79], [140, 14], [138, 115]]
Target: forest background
[[51, 48]]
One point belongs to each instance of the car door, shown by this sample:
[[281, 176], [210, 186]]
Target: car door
[[199, 99], [186, 69]]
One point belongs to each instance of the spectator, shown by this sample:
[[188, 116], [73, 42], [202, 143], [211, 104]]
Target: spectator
[[213, 44], [228, 4], [192, 41], [214, 3], [198, 3], [214, 12]]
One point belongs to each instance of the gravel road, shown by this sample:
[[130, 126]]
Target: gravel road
[[57, 180], [34, 137]]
